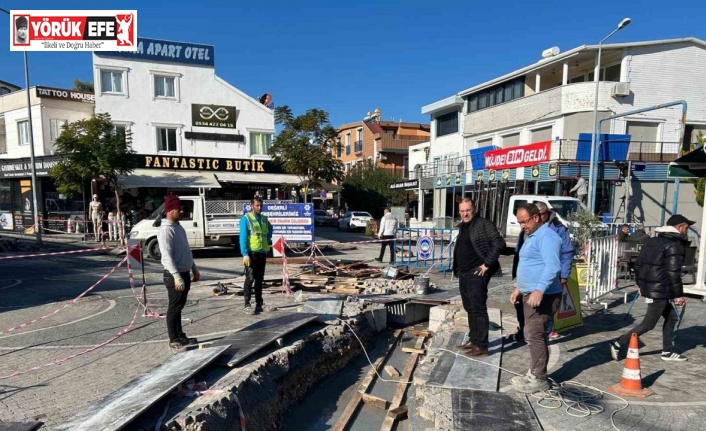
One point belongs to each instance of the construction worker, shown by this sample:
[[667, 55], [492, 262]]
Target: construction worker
[[178, 263], [386, 231], [255, 242], [539, 289], [658, 273]]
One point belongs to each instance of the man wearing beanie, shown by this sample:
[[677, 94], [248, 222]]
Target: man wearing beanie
[[177, 262], [21, 30]]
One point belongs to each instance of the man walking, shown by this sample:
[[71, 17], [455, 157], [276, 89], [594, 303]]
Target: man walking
[[388, 226], [475, 260], [539, 289], [658, 275], [255, 242], [548, 217], [177, 262], [580, 188]]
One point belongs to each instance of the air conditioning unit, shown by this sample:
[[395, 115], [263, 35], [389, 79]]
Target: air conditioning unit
[[620, 89]]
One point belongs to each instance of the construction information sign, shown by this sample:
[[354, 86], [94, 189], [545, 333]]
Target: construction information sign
[[294, 222], [569, 314]]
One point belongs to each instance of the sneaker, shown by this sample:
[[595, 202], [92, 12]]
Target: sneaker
[[673, 357], [518, 336], [260, 308], [553, 335], [178, 345], [615, 350], [249, 310], [529, 384]]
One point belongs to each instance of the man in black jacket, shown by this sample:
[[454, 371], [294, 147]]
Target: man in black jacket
[[658, 275], [475, 260]]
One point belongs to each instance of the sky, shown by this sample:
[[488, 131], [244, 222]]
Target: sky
[[350, 57]]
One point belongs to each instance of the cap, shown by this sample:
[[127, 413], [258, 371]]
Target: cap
[[678, 219], [21, 22], [171, 203]]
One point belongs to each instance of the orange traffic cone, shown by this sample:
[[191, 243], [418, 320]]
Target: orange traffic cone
[[631, 382]]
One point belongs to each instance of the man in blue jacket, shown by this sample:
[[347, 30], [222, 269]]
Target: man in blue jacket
[[549, 218], [255, 242], [539, 289]]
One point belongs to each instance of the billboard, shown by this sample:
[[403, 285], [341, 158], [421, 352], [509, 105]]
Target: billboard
[[294, 222]]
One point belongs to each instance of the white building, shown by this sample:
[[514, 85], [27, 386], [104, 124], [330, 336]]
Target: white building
[[51, 108], [553, 100], [191, 128]]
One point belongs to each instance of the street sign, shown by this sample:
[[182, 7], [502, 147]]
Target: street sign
[[294, 222]]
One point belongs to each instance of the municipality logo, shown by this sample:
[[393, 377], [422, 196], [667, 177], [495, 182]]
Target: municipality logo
[[64, 30]]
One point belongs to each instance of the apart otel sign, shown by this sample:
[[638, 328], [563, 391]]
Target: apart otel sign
[[411, 184], [516, 157], [213, 164], [168, 52], [61, 94], [213, 116]]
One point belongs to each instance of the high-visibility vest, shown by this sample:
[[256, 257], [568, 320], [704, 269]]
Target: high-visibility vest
[[258, 233]]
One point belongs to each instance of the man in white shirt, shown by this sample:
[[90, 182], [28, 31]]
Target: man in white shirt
[[388, 226], [580, 188]]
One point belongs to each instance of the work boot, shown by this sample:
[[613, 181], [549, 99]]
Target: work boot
[[260, 308], [187, 340], [466, 346], [377, 259], [178, 345]]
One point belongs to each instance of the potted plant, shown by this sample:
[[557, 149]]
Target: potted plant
[[583, 225]]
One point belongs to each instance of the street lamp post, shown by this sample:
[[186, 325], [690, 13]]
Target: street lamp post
[[35, 209], [593, 167]]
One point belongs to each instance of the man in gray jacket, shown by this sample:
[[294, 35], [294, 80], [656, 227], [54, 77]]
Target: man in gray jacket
[[580, 188], [388, 226], [178, 264]]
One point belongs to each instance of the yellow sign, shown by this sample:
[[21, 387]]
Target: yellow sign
[[506, 174], [479, 176], [535, 171], [491, 176], [569, 314], [552, 169]]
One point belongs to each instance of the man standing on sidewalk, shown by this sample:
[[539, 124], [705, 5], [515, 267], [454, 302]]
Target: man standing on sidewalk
[[549, 218], [580, 188], [539, 288], [177, 262], [475, 260], [255, 242], [388, 226], [658, 275]]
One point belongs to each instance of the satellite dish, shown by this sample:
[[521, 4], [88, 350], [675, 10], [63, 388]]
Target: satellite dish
[[266, 99]]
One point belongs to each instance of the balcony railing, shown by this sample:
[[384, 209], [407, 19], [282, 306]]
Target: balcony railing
[[390, 142]]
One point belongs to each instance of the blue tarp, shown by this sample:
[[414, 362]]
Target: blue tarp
[[613, 147], [478, 156]]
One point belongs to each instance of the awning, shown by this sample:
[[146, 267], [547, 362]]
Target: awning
[[169, 179], [257, 178], [691, 165]]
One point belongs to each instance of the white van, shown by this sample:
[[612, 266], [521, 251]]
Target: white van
[[561, 205]]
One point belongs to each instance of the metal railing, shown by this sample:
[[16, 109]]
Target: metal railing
[[391, 142], [425, 247], [602, 257]]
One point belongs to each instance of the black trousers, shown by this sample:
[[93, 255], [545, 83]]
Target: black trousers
[[254, 274], [177, 300], [658, 308], [474, 295], [391, 244]]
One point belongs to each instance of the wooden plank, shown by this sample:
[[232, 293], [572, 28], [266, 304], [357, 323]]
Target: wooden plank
[[413, 350], [118, 409], [396, 401], [353, 404], [378, 402], [398, 413], [420, 333], [392, 371]]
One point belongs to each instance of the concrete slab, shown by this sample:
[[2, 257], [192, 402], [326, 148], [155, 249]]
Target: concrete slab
[[329, 308], [492, 411], [115, 411], [20, 426]]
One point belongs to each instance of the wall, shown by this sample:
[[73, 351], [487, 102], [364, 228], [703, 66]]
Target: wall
[[14, 150], [61, 110], [196, 85], [582, 122], [447, 144]]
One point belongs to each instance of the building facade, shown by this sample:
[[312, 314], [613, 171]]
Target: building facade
[[191, 129], [51, 108], [553, 100]]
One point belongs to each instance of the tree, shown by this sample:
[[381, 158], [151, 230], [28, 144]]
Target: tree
[[85, 86], [92, 149], [700, 183], [368, 189], [304, 146]]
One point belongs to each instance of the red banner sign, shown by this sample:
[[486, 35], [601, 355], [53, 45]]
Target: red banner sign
[[516, 157]]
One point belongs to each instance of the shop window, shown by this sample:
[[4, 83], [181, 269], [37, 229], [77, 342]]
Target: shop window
[[260, 143], [166, 139]]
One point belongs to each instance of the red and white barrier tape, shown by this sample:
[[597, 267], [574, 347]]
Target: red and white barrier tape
[[148, 312], [73, 301], [56, 253]]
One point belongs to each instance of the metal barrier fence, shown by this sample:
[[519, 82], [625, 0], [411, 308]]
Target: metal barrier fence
[[602, 268], [425, 247], [614, 228]]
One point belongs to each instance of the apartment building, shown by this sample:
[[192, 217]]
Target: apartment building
[[553, 100]]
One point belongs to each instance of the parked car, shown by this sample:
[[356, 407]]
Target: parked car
[[322, 218], [354, 220]]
